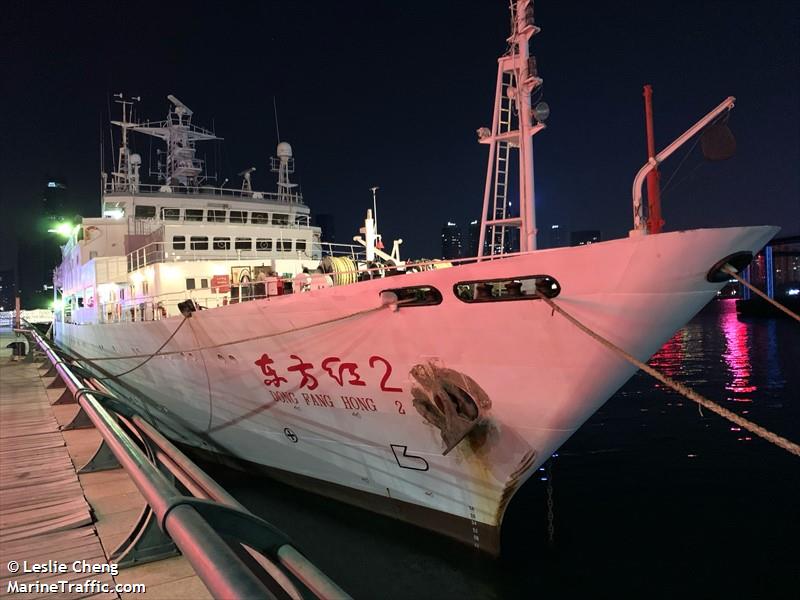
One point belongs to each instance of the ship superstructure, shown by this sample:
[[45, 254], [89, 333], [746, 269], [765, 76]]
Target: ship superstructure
[[161, 243], [356, 374]]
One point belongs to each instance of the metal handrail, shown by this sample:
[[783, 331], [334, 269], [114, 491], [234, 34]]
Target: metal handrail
[[178, 190], [298, 564], [221, 570]]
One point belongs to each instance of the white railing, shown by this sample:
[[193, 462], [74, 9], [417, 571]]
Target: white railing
[[38, 315], [154, 308], [205, 191], [159, 252]]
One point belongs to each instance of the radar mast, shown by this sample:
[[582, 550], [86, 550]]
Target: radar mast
[[181, 167]]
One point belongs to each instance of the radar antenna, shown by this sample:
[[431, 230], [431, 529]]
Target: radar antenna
[[283, 165]]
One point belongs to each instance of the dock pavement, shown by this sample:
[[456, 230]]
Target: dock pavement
[[50, 513]]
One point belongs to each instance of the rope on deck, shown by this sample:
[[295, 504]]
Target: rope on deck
[[728, 269], [731, 416]]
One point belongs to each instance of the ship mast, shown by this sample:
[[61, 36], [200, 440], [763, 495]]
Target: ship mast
[[126, 177], [514, 123], [182, 167]]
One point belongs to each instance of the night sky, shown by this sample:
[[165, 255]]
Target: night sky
[[391, 93]]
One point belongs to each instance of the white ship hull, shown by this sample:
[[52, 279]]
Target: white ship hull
[[358, 434]]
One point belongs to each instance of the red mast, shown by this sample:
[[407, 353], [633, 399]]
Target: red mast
[[654, 220]]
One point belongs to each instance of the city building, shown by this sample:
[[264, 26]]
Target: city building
[[473, 238], [555, 236], [55, 197], [584, 237], [7, 284], [451, 241], [39, 251]]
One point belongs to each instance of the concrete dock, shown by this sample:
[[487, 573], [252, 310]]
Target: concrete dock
[[50, 513]]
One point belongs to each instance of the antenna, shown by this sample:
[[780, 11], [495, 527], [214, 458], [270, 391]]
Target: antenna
[[275, 110], [180, 107], [375, 189], [126, 169]]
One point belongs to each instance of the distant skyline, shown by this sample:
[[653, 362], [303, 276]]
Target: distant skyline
[[390, 94]]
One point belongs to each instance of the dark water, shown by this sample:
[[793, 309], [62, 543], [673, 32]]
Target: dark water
[[651, 497]]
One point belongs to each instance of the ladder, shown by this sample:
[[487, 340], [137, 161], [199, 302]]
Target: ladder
[[513, 126], [499, 222]]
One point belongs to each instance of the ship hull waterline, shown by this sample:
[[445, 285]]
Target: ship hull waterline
[[334, 391]]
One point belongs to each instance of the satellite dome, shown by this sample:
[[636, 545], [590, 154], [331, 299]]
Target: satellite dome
[[136, 159], [284, 150]]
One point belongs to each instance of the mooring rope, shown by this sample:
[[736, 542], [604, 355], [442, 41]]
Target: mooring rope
[[146, 360], [239, 341], [731, 416], [732, 272]]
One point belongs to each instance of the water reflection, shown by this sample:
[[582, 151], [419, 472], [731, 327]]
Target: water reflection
[[737, 352], [669, 359], [774, 375]]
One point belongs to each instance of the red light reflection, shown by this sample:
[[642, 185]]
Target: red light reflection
[[737, 352], [669, 359]]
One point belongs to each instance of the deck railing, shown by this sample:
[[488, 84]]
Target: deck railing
[[148, 189], [158, 252]]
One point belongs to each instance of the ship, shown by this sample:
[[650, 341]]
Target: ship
[[429, 391]]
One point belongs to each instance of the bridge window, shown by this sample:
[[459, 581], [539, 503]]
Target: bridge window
[[259, 218], [417, 295], [243, 244], [263, 244], [179, 242], [280, 219], [145, 212], [193, 214], [204, 283], [198, 242], [215, 216], [498, 290], [300, 245], [238, 216], [284, 245], [190, 284], [222, 243], [171, 214]]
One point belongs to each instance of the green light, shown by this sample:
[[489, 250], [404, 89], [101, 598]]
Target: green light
[[64, 228], [56, 305]]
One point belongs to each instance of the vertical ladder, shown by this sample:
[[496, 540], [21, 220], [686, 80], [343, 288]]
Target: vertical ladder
[[513, 126], [501, 168]]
